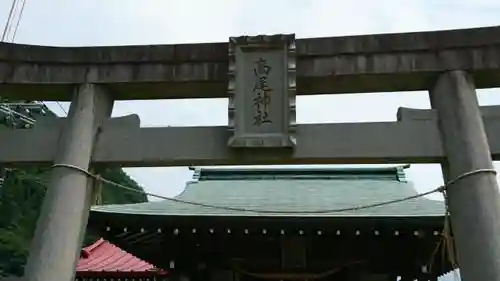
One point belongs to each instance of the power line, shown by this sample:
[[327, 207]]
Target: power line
[[19, 19], [9, 28], [12, 24], [9, 18], [9, 25], [62, 108]]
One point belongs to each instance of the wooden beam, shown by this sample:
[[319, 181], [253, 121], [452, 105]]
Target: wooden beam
[[349, 64]]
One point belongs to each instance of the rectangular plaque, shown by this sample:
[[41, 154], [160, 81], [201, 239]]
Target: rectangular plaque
[[262, 86]]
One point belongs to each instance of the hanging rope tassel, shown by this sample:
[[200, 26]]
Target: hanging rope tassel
[[451, 252], [96, 190], [447, 245]]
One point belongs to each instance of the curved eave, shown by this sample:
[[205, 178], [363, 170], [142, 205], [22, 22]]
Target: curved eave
[[277, 215], [126, 224]]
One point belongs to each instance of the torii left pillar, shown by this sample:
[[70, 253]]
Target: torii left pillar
[[60, 228]]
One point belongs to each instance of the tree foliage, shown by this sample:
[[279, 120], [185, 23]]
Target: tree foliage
[[21, 197], [23, 190]]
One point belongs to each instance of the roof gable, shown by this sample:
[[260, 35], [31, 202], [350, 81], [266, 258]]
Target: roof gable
[[291, 192]]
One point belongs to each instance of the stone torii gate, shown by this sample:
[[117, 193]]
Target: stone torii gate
[[261, 76]]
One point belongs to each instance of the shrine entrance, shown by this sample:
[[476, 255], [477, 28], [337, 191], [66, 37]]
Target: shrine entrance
[[261, 75]]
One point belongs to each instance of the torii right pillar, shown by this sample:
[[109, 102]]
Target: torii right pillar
[[474, 201]]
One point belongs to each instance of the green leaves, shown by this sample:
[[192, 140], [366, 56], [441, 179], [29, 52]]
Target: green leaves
[[21, 197]]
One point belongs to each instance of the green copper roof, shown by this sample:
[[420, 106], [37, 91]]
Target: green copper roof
[[291, 192]]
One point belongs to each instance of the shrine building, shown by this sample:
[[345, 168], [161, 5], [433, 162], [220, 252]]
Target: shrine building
[[285, 224]]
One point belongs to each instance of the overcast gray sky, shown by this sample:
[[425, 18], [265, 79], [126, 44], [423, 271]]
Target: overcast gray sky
[[121, 22]]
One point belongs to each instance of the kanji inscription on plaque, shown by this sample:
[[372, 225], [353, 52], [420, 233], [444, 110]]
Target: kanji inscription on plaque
[[262, 79]]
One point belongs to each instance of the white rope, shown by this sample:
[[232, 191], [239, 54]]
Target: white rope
[[449, 244], [339, 210]]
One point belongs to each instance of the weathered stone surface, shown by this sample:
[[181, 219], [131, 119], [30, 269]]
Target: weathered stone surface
[[262, 91], [350, 64], [473, 199], [409, 114], [61, 224], [124, 143]]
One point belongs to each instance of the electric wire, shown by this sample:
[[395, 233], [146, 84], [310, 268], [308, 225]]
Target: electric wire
[[9, 18], [62, 108], [7, 28], [9, 25], [19, 20]]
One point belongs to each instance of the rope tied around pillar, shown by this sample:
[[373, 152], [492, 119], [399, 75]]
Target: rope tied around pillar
[[97, 181], [448, 250], [465, 175]]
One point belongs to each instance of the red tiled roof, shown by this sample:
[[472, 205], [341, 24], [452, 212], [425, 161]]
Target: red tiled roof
[[104, 257]]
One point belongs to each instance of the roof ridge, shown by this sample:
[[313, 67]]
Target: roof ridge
[[394, 172], [86, 251]]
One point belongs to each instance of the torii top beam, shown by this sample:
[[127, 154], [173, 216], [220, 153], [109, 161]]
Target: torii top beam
[[349, 64]]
